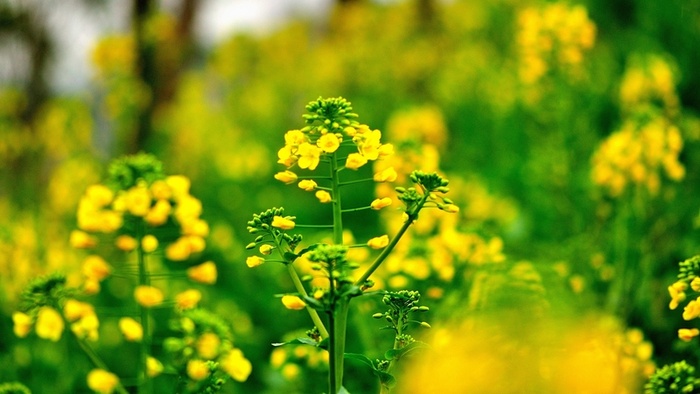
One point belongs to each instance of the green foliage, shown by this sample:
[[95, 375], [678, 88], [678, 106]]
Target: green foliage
[[676, 378]]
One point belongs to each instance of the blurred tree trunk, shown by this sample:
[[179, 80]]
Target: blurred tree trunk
[[158, 70]]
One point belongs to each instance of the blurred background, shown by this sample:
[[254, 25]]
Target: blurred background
[[569, 132]]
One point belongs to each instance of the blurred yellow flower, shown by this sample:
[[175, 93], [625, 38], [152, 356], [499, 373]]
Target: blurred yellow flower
[[293, 302], [95, 267], [158, 214], [236, 365], [386, 175], [197, 369], [687, 334], [692, 310], [380, 203], [82, 240], [74, 309], [266, 249], [283, 223], [138, 200], [22, 324], [179, 186], [378, 242], [102, 381], [677, 293], [148, 296], [131, 329], [87, 327], [307, 184], [254, 261], [161, 190], [99, 195], [203, 273], [286, 177], [207, 345], [323, 196], [49, 324], [179, 250], [188, 299], [126, 243], [149, 243], [153, 367]]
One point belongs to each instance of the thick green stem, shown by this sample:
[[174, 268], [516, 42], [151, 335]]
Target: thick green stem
[[338, 316], [144, 280], [312, 312], [339, 331]]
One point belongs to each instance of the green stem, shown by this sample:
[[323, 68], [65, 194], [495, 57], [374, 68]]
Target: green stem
[[312, 312], [144, 280], [337, 317]]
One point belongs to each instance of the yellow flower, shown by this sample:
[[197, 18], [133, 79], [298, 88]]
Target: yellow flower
[[159, 213], [355, 161], [74, 309], [309, 156], [49, 324], [95, 267], [695, 284], [294, 138], [687, 334], [286, 177], [82, 240], [161, 190], [99, 195], [380, 203], [266, 249], [138, 200], [677, 292], [692, 310], [386, 150], [102, 381], [131, 329], [293, 302], [197, 369], [203, 273], [378, 242], [149, 243], [148, 296], [188, 299], [91, 286], [22, 324], [179, 186], [328, 143], [195, 243], [286, 156], [153, 367], [278, 357], [87, 327], [126, 243], [386, 175], [323, 196], [283, 223], [254, 261], [450, 208], [207, 345], [179, 250], [236, 365], [307, 184], [196, 227]]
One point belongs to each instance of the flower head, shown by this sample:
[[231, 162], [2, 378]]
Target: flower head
[[204, 273], [355, 161], [236, 365], [131, 329], [254, 261], [380, 203], [22, 324], [309, 156], [49, 324], [293, 302], [687, 334], [323, 196], [286, 177], [378, 242], [197, 369], [284, 223], [188, 299], [148, 296], [102, 381], [386, 175], [307, 184], [328, 142]]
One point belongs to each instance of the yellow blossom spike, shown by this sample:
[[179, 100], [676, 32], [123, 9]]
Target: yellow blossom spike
[[286, 177], [323, 196], [283, 223], [236, 365], [378, 242], [148, 296], [101, 381], [204, 273], [293, 302]]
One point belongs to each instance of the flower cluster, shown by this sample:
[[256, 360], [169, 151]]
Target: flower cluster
[[637, 154], [649, 80], [688, 277], [554, 37], [674, 378], [205, 353]]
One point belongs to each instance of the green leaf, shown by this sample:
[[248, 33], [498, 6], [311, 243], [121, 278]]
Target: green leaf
[[395, 354], [297, 341], [361, 358], [308, 248], [343, 390], [290, 257]]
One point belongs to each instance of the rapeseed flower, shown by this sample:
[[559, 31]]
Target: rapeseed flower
[[254, 261], [149, 243], [49, 324], [380, 203], [22, 324], [208, 345], [131, 329], [102, 381], [328, 142], [355, 161], [236, 365], [148, 296], [687, 334], [286, 177], [283, 223], [204, 273], [293, 302], [95, 267], [197, 369], [378, 242], [307, 185], [188, 299], [323, 196]]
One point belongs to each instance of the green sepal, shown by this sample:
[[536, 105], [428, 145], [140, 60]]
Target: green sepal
[[385, 378]]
